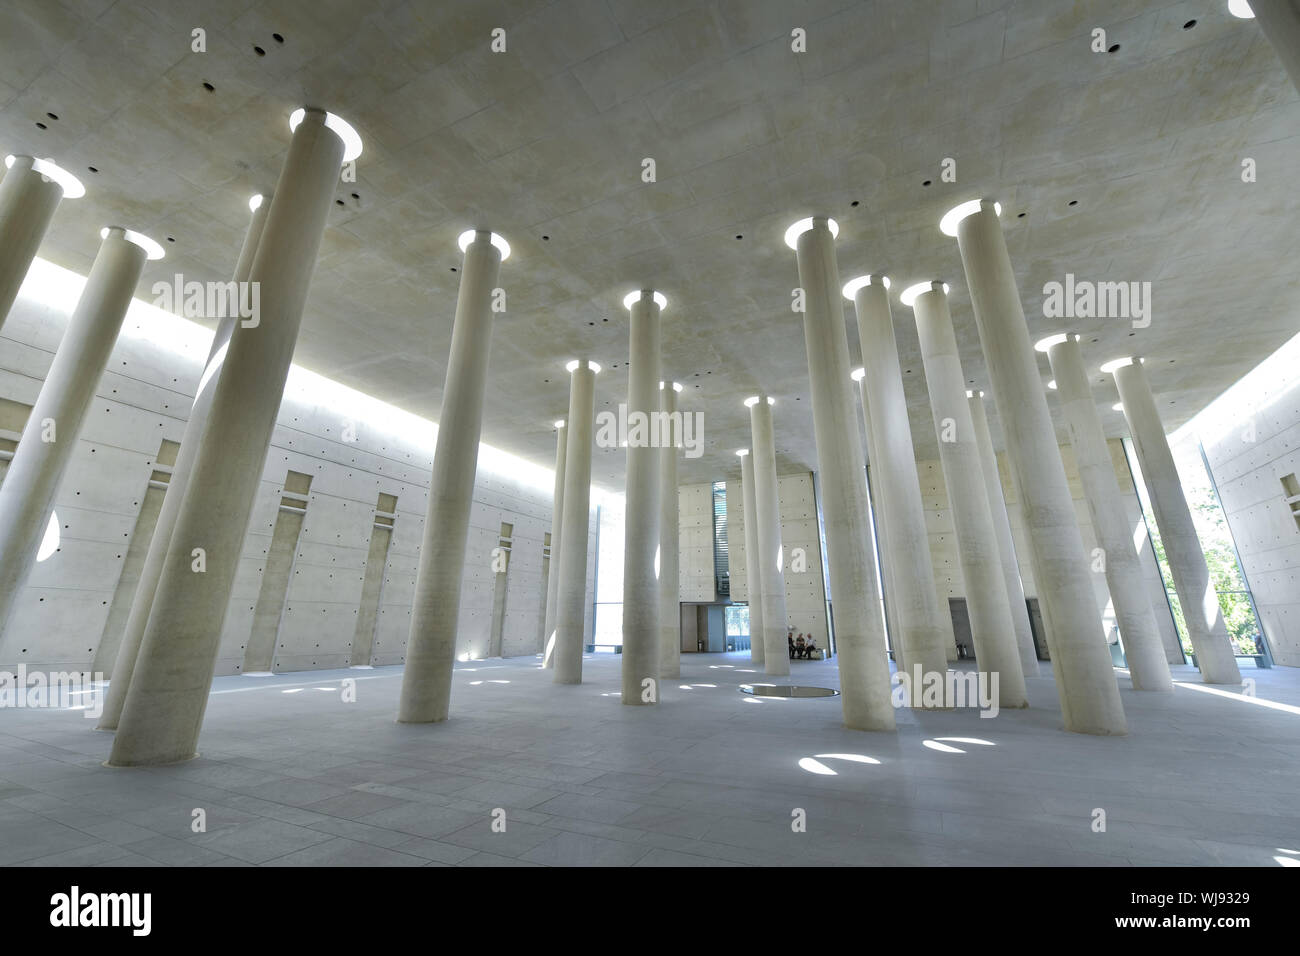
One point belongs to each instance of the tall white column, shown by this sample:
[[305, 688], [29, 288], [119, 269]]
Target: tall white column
[[1085, 678], [769, 557], [1137, 624], [859, 631], [992, 630], [925, 627], [146, 588], [435, 609], [553, 575], [1006, 543], [29, 197], [27, 495], [876, 493], [570, 599], [670, 606], [1196, 593], [641, 539], [753, 578], [1279, 21], [168, 691]]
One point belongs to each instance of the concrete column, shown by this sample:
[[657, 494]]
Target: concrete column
[[1085, 679], [1137, 624], [168, 691], [431, 649], [770, 555], [859, 631], [1006, 542], [27, 495], [753, 578], [925, 628], [571, 598], [142, 602], [641, 541], [670, 596], [29, 196], [1196, 593], [875, 491], [1279, 21], [992, 630], [557, 517]]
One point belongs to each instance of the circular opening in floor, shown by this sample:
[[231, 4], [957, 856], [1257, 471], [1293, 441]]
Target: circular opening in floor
[[784, 690]]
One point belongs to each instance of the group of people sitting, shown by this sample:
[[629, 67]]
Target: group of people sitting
[[800, 647]]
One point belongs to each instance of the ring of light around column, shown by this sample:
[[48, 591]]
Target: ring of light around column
[[948, 224], [1241, 9], [152, 249], [753, 400], [853, 285], [661, 300], [466, 237], [909, 294], [71, 185], [1043, 344], [342, 128], [573, 366], [1109, 367], [803, 225]]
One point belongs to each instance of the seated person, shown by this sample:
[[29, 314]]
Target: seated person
[[789, 639], [811, 646], [800, 650]]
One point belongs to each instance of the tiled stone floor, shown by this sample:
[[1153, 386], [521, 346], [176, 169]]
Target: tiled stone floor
[[291, 775]]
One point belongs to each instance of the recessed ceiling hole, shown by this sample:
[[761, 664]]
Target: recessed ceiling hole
[[1114, 48], [171, 238], [740, 237], [1189, 24], [338, 202], [546, 238], [1020, 215], [259, 51], [927, 182], [277, 38], [854, 203], [1074, 202], [453, 268], [355, 196], [92, 169], [41, 126], [208, 86], [52, 116]]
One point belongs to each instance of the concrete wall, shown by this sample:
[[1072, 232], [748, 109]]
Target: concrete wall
[[695, 543], [1252, 443], [805, 595], [144, 397]]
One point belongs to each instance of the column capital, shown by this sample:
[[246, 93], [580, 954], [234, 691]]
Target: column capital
[[1045, 344], [576, 364], [484, 235], [341, 128], [861, 282], [1110, 367], [797, 229]]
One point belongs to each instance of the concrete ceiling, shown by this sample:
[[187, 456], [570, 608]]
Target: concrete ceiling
[[1111, 166]]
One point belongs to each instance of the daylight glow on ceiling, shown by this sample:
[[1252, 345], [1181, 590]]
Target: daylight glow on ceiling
[[468, 235], [71, 185], [948, 224], [152, 249], [559, 423], [858, 374], [255, 202], [861, 282], [660, 299], [742, 452], [351, 138], [573, 366], [677, 386], [1241, 9], [803, 225], [753, 400]]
